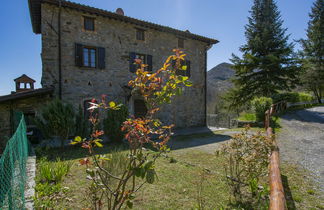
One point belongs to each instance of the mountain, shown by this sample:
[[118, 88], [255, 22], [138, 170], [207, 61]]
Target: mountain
[[218, 82]]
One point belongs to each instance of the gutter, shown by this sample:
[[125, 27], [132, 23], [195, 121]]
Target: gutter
[[205, 72], [60, 51]]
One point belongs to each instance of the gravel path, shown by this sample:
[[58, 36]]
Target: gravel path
[[302, 140]]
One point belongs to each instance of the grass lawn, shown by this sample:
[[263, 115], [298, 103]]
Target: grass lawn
[[180, 176], [247, 117]]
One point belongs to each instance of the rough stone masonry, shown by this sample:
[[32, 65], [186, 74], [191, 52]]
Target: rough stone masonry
[[118, 38]]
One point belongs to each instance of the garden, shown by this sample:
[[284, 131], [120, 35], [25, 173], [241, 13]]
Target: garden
[[137, 169]]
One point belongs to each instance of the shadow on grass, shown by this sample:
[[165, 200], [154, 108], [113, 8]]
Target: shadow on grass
[[288, 195], [198, 139], [77, 152], [176, 142]]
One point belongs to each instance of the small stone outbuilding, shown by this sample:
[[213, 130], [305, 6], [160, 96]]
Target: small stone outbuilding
[[25, 99]]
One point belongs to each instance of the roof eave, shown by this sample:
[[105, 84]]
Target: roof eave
[[22, 95], [35, 5]]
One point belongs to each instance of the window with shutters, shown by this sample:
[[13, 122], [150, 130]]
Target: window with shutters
[[89, 23], [88, 56], [146, 59], [180, 43], [140, 34], [184, 68]]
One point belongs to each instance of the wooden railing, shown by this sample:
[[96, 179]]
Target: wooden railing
[[277, 194]]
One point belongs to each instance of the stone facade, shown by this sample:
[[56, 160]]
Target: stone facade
[[30, 106], [119, 39]]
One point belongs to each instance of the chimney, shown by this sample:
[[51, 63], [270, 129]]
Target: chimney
[[24, 83], [120, 11]]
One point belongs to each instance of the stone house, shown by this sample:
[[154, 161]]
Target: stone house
[[88, 52]]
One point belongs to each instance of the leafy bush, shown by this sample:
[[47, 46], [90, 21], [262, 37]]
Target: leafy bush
[[82, 125], [56, 119], [49, 179], [305, 97], [113, 123], [293, 97], [260, 105], [52, 172], [246, 163], [247, 117]]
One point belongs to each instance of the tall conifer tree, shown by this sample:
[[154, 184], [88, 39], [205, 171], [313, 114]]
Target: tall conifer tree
[[313, 51], [267, 64]]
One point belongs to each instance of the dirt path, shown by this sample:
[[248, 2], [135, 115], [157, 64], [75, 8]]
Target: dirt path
[[301, 140]]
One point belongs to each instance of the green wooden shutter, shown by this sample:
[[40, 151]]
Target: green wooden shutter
[[132, 66], [78, 55], [188, 74], [149, 59], [101, 57]]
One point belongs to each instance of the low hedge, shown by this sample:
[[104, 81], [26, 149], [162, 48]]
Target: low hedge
[[293, 97]]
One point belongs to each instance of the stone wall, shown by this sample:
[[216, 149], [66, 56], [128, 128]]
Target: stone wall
[[118, 38], [27, 105]]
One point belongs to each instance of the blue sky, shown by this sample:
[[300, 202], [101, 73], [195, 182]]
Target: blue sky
[[220, 19]]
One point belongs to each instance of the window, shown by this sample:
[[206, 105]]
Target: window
[[184, 69], [89, 57], [88, 24], [140, 35], [146, 59], [180, 43], [93, 57]]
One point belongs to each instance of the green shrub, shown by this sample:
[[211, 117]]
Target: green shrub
[[56, 119], [246, 163], [305, 97], [293, 97], [260, 106], [247, 117], [52, 171], [113, 123], [82, 125]]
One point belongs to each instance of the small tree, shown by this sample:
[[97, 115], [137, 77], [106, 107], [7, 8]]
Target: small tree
[[140, 168], [56, 119], [113, 123]]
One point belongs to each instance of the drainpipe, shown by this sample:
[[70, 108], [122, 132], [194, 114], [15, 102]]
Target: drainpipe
[[11, 121], [207, 48], [60, 50], [205, 71]]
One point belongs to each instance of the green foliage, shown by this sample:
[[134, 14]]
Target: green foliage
[[247, 117], [82, 125], [260, 106], [267, 64], [113, 123], [293, 97], [49, 179], [246, 162], [56, 119], [313, 52], [52, 172]]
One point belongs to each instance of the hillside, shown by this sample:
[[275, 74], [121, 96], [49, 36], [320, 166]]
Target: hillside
[[218, 82]]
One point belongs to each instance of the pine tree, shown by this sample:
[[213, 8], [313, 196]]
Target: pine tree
[[313, 52], [267, 64]]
